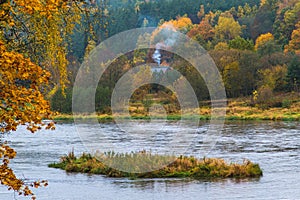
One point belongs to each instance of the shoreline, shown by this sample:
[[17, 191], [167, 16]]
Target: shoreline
[[104, 118], [236, 110]]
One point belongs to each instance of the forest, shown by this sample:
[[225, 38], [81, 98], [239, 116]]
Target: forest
[[255, 45]]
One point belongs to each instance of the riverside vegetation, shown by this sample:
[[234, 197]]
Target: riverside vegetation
[[281, 107], [181, 167]]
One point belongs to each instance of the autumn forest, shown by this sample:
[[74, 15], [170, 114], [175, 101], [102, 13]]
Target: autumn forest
[[255, 45]]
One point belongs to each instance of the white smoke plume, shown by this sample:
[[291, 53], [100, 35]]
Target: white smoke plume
[[168, 36]]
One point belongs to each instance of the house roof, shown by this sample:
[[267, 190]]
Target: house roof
[[159, 69]]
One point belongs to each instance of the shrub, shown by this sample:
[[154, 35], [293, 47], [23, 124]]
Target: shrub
[[286, 103], [61, 103]]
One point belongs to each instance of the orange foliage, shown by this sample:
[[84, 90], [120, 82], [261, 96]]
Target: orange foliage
[[21, 99], [204, 29], [21, 103], [44, 24], [263, 39], [21, 81], [47, 8], [6, 175], [182, 24]]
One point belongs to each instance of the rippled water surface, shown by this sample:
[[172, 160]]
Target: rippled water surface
[[274, 145]]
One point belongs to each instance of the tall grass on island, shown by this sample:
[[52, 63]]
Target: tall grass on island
[[181, 167]]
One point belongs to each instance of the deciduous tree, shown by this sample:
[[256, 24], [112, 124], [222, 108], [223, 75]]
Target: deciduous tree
[[274, 77], [241, 43], [285, 22], [21, 103], [263, 39], [39, 29], [293, 74], [264, 18], [227, 28], [294, 43], [232, 78], [32, 41], [203, 29]]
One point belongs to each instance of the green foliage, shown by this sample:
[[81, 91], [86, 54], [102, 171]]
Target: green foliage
[[103, 99], [249, 67], [193, 77], [241, 44], [285, 23], [231, 77], [62, 103], [286, 103], [268, 48], [293, 74], [245, 74], [126, 15], [263, 21]]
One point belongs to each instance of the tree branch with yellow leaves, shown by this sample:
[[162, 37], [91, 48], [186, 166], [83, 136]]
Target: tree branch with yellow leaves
[[32, 43]]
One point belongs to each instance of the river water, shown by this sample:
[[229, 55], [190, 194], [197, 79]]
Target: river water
[[274, 145]]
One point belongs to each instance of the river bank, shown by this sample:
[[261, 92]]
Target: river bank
[[236, 110]]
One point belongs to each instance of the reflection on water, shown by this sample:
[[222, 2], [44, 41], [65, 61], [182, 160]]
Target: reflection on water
[[170, 184], [275, 145]]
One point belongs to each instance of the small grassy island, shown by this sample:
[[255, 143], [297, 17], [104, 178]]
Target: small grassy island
[[182, 167]]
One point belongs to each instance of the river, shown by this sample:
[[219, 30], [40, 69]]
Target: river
[[274, 145]]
